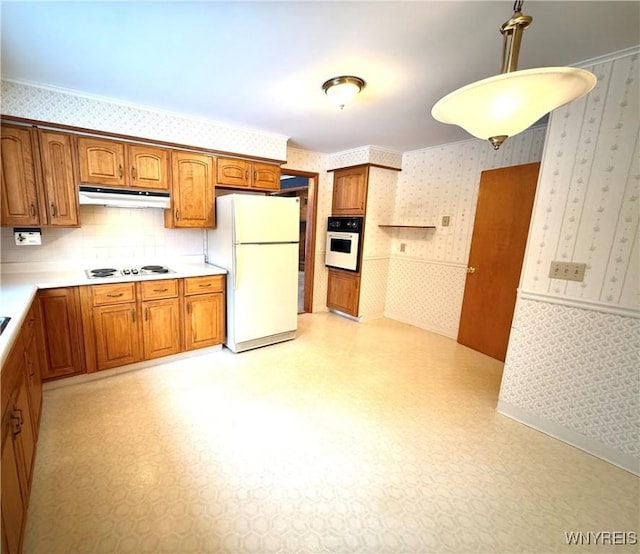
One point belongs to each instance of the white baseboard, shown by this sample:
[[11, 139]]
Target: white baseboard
[[450, 333], [595, 448]]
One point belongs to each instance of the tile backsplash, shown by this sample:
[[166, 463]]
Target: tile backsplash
[[108, 234]]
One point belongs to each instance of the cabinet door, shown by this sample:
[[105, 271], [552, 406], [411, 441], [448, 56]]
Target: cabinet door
[[343, 292], [59, 178], [204, 320], [233, 173], [193, 190], [161, 328], [117, 335], [34, 381], [148, 167], [26, 439], [18, 178], [13, 507], [61, 331], [101, 162], [266, 176], [350, 191]]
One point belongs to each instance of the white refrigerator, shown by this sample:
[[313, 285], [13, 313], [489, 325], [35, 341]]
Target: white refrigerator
[[256, 241]]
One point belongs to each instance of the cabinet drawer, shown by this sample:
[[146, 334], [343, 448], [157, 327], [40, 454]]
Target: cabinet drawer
[[113, 294], [201, 285], [154, 290]]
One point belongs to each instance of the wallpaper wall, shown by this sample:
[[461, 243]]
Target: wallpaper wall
[[381, 198], [588, 197], [102, 114], [573, 357], [426, 282]]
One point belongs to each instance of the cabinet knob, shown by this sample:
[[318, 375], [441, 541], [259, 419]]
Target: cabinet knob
[[146, 314], [133, 316], [177, 214], [120, 172], [471, 270], [32, 209], [53, 209], [133, 173]]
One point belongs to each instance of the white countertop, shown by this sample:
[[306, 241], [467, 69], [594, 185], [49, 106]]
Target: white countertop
[[20, 282]]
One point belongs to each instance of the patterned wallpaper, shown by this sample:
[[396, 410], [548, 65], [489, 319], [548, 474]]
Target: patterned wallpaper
[[426, 281], [571, 365], [588, 195], [365, 155], [579, 369], [108, 234], [444, 180], [103, 114]]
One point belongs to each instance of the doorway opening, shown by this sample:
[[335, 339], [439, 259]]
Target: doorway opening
[[303, 185]]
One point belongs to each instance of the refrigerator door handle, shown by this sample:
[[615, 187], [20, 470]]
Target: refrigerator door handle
[[236, 265]]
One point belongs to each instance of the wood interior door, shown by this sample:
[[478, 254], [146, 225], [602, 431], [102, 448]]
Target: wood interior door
[[499, 238]]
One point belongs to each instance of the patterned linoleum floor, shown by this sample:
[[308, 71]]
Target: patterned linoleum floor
[[363, 438]]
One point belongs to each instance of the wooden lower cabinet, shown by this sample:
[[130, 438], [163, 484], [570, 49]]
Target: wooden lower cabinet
[[204, 320], [343, 291], [13, 508], [204, 311], [124, 323], [161, 328], [117, 335], [60, 321], [21, 402]]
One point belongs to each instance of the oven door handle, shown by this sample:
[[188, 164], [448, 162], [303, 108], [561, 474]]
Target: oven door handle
[[348, 236]]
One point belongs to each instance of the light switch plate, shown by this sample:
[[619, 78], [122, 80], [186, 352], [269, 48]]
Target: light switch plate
[[569, 271]]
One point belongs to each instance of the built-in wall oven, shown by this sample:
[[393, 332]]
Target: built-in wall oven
[[344, 237]]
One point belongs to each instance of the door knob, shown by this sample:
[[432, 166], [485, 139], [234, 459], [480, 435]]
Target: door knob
[[471, 269]]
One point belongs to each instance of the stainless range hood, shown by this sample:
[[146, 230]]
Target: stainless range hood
[[123, 198]]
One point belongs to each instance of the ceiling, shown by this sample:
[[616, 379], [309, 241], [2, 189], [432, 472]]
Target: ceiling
[[260, 65]]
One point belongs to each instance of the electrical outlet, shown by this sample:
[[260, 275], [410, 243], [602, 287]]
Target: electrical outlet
[[403, 247], [569, 271], [446, 221]]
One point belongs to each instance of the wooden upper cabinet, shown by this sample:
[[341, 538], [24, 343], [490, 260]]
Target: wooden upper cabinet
[[18, 178], [148, 167], [192, 191], [350, 191], [266, 176], [59, 178], [102, 162], [235, 173], [119, 164]]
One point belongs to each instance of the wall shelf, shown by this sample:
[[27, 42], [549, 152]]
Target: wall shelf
[[407, 226]]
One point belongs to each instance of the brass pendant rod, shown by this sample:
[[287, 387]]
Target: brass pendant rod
[[512, 32]]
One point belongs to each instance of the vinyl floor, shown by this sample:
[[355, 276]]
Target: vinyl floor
[[353, 438]]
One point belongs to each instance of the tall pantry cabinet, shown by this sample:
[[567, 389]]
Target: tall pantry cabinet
[[349, 199]]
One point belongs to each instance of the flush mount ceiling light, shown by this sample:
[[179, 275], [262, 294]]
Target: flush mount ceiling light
[[343, 90], [507, 104]]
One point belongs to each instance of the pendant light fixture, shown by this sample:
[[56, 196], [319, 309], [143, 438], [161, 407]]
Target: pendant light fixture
[[507, 104], [343, 90]]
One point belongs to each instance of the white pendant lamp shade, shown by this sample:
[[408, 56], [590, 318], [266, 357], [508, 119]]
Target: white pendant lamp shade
[[342, 90], [507, 104]]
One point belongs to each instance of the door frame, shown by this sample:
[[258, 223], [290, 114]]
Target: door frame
[[310, 234]]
